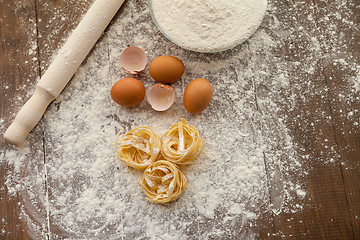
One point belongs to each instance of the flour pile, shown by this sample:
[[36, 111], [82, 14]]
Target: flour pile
[[244, 170], [208, 25]]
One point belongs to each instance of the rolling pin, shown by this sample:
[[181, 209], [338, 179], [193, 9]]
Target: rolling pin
[[62, 68]]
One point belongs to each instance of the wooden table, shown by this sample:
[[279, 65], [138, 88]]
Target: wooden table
[[325, 125]]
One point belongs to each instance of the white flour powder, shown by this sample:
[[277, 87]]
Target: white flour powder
[[208, 25]]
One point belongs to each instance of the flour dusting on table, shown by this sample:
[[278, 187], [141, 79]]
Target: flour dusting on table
[[249, 168]]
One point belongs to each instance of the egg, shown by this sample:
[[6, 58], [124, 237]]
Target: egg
[[161, 97], [133, 60], [197, 95], [166, 69], [128, 92]]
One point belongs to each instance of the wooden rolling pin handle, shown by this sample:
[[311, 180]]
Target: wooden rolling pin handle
[[28, 116], [63, 67]]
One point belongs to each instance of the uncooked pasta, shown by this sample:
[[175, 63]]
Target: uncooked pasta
[[181, 144], [139, 147], [163, 182]]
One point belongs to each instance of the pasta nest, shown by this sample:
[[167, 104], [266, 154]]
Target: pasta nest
[[163, 182], [181, 144], [139, 147]]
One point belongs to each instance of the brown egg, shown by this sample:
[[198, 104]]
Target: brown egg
[[128, 92], [166, 69], [197, 95]]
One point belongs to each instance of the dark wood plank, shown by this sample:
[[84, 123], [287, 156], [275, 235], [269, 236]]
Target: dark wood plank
[[345, 120], [325, 213], [18, 74], [340, 71]]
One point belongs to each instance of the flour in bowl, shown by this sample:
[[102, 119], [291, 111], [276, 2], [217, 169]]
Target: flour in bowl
[[208, 25]]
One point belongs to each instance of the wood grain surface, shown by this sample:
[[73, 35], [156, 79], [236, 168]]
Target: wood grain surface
[[320, 125], [16, 31]]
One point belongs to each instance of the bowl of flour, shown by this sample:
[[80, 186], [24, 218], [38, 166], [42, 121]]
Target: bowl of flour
[[207, 25]]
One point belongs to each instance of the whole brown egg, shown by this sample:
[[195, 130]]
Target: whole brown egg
[[128, 92], [166, 69], [197, 95]]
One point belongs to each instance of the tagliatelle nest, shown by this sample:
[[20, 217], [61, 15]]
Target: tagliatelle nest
[[163, 182], [139, 147], [181, 144]]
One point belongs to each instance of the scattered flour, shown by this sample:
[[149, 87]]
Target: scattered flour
[[300, 193], [250, 165]]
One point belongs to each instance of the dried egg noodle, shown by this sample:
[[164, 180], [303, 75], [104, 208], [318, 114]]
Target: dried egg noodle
[[163, 182], [181, 144], [139, 147]]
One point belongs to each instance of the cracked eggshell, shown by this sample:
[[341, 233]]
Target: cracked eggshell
[[161, 97], [133, 60]]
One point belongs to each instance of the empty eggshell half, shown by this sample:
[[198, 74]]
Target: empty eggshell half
[[133, 60], [161, 97]]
